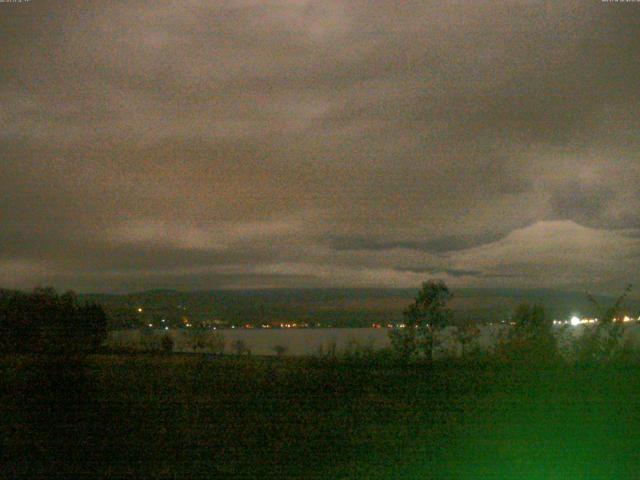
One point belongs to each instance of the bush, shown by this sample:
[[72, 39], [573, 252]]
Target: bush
[[604, 342], [531, 338], [212, 342], [240, 348], [404, 342], [150, 341], [279, 350], [217, 343], [600, 343], [167, 344], [328, 351], [468, 338]]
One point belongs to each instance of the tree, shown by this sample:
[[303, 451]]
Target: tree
[[607, 315], [44, 321], [17, 327], [602, 342], [531, 339], [422, 319]]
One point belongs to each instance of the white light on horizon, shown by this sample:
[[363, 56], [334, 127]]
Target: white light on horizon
[[575, 321]]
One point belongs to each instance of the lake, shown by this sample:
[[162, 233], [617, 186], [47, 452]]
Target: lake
[[296, 341]]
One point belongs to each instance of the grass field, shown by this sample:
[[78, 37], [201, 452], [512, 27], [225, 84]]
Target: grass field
[[192, 416]]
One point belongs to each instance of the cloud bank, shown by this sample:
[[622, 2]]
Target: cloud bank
[[242, 144]]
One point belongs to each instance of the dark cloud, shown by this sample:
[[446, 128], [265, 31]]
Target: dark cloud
[[185, 281], [294, 142], [435, 245], [446, 271], [586, 204]]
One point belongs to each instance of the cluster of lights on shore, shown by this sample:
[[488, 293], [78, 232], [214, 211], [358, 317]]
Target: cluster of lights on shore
[[573, 321]]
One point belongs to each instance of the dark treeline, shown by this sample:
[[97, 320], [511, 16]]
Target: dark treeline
[[47, 322], [529, 335]]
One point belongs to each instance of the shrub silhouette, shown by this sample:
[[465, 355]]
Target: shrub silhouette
[[279, 350], [240, 347], [466, 335], [328, 350], [167, 344], [212, 342]]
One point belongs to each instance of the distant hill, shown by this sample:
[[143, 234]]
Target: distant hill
[[344, 307]]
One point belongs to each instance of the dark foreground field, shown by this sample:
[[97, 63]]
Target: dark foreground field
[[198, 417]]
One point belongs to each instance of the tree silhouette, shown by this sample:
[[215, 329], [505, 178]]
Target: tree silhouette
[[423, 318], [44, 321]]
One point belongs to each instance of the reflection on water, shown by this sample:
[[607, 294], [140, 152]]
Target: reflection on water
[[300, 341]]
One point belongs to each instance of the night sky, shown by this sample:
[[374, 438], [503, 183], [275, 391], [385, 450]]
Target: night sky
[[293, 143]]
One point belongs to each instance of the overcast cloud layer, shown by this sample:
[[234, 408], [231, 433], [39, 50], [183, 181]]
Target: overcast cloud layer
[[240, 144]]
